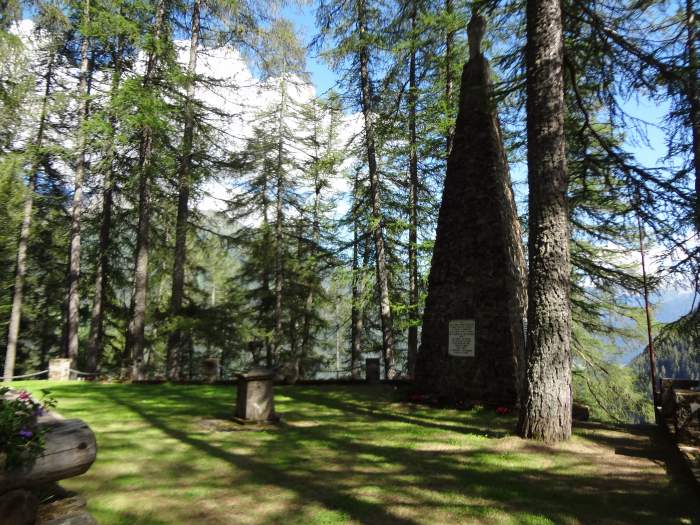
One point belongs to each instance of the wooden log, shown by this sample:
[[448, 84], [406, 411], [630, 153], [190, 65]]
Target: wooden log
[[70, 451], [18, 507]]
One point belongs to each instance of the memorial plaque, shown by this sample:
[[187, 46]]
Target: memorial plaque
[[462, 338]]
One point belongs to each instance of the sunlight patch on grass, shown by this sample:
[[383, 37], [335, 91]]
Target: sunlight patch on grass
[[351, 455]]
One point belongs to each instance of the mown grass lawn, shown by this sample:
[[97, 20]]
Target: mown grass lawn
[[353, 455]]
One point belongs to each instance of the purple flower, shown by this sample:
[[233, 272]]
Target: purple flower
[[25, 433], [39, 411]]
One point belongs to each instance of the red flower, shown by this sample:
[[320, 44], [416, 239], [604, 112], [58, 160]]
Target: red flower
[[503, 410]]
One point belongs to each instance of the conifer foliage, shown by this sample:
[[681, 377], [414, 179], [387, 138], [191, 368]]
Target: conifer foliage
[[174, 189]]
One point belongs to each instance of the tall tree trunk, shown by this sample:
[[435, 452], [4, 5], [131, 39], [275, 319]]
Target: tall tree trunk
[[694, 102], [309, 302], [296, 343], [74, 264], [377, 226], [135, 338], [174, 350], [356, 312], [265, 277], [412, 204], [96, 336], [546, 412], [449, 43], [279, 218], [21, 269], [315, 237]]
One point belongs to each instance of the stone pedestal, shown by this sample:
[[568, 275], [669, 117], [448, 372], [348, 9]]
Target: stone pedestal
[[372, 371], [472, 344], [210, 369], [59, 369], [255, 400]]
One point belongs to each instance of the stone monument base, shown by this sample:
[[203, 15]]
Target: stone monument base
[[274, 419], [255, 402]]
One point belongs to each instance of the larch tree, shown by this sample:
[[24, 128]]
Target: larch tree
[[547, 400], [135, 337], [56, 24], [107, 169], [184, 176], [73, 317], [377, 226]]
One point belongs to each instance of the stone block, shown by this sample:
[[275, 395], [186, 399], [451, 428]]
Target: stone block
[[580, 412], [67, 511], [210, 369], [255, 401], [687, 415], [372, 370], [59, 369]]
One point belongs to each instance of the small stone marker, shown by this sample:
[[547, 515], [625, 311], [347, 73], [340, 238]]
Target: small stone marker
[[210, 369], [59, 369], [372, 370], [255, 402]]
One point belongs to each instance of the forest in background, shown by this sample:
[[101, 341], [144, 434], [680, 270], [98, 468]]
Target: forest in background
[[113, 135]]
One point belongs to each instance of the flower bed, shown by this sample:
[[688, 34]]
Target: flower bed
[[22, 440]]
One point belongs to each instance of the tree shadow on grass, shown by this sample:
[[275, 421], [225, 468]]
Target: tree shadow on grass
[[643, 441], [462, 485], [304, 486], [557, 492], [379, 413]]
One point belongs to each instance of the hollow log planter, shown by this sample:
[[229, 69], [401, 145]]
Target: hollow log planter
[[70, 451]]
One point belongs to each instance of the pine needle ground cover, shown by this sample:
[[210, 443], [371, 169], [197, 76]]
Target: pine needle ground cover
[[167, 455]]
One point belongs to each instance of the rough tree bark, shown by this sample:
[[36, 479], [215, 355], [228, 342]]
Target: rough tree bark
[[377, 227], [412, 204], [96, 336], [694, 101], [356, 309], [135, 337], [265, 277], [279, 218], [546, 411], [174, 348], [76, 210], [21, 269], [315, 237]]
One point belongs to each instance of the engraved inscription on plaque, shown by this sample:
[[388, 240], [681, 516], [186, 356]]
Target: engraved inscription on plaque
[[462, 338]]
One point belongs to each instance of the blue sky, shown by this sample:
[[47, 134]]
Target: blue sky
[[304, 19], [323, 79], [670, 303]]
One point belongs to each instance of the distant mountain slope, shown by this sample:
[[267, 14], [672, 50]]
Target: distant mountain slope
[[677, 350], [672, 305]]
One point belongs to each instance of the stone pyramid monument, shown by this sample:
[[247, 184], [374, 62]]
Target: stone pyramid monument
[[473, 344]]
